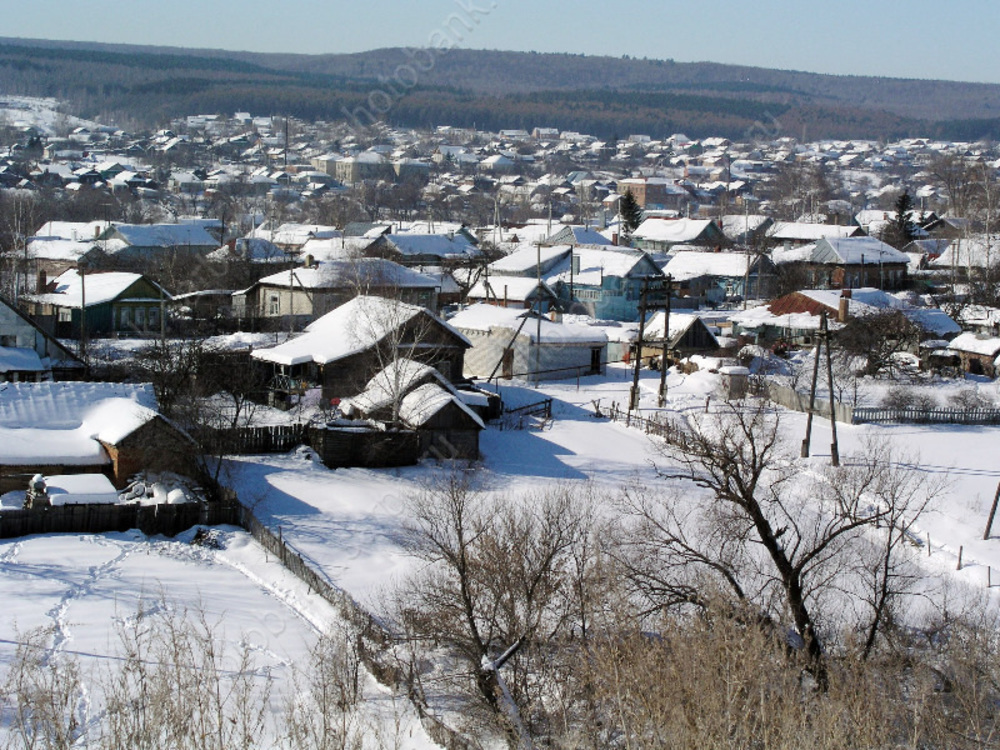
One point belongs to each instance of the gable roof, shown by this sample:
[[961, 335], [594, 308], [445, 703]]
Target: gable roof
[[678, 231], [164, 235], [794, 230], [349, 329], [484, 318], [69, 288], [690, 264], [358, 274], [440, 246], [421, 404], [46, 423]]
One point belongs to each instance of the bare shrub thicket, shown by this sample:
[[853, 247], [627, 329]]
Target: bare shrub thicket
[[178, 680], [745, 595]]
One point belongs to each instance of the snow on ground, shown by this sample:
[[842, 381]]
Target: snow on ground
[[83, 587], [350, 522], [40, 113]]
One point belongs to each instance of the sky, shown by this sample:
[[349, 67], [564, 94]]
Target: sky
[[918, 39]]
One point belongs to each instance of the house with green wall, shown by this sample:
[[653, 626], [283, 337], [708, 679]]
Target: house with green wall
[[113, 302]]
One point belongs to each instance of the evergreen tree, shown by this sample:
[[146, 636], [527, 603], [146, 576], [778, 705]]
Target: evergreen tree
[[902, 230], [631, 216]]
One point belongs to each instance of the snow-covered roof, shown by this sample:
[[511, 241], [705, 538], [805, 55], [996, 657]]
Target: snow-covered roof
[[351, 328], [433, 245], [69, 289], [92, 489], [165, 235], [672, 231], [526, 258], [360, 273], [16, 359], [56, 248], [687, 264], [679, 323], [792, 230], [66, 423], [857, 250], [77, 231], [421, 404], [842, 250], [512, 288], [397, 378], [484, 318], [975, 343], [978, 251]]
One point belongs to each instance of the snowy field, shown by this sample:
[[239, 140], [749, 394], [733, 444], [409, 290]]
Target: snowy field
[[349, 524], [82, 592], [349, 521]]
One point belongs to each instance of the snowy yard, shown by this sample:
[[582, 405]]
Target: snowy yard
[[349, 524]]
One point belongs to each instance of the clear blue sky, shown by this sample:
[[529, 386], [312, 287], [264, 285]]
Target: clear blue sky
[[918, 39]]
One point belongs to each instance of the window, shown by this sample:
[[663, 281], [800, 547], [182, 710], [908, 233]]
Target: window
[[65, 315], [140, 317], [124, 319], [153, 317], [10, 341], [274, 305]]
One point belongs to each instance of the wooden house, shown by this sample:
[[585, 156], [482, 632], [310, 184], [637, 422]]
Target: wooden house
[[979, 354], [510, 342], [80, 428], [343, 349], [29, 353]]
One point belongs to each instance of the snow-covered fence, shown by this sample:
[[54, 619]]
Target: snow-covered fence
[[792, 399], [91, 518], [658, 424], [371, 637], [882, 415]]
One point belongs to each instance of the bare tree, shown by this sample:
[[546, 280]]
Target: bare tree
[[768, 535]]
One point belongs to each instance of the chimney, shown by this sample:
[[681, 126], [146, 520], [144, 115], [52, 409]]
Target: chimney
[[845, 301]]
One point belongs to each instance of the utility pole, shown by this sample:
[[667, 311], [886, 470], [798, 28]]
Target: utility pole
[[834, 447], [662, 398], [823, 336], [83, 312], [538, 326], [633, 401]]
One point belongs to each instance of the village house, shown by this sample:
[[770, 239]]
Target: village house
[[143, 242], [847, 263], [795, 233], [306, 293], [420, 398], [113, 429], [978, 353], [341, 351], [424, 249], [28, 353], [113, 301], [656, 235], [713, 278], [794, 318], [509, 343], [685, 334]]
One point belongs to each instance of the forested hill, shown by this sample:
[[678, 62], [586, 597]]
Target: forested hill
[[493, 90]]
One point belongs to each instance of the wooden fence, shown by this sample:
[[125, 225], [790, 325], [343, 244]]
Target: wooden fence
[[252, 440], [881, 415], [164, 519], [540, 409], [658, 424]]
